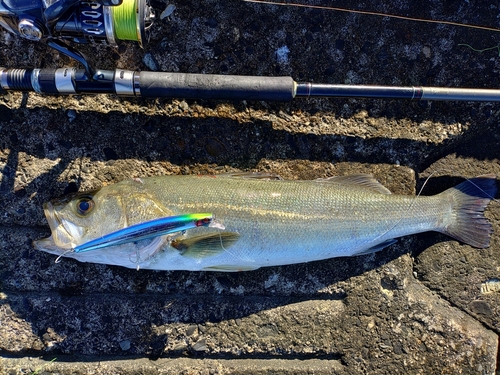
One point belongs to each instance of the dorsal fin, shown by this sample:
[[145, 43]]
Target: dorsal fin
[[358, 180], [253, 175]]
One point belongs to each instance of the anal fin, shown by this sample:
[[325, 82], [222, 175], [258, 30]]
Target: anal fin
[[377, 247], [229, 268]]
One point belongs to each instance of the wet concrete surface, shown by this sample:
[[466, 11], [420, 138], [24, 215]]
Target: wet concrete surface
[[427, 304]]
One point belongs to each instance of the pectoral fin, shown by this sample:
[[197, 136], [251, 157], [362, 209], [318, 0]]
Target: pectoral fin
[[205, 245]]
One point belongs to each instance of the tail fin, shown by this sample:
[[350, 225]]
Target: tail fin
[[468, 200]]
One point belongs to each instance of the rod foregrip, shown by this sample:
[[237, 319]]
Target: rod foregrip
[[213, 86]]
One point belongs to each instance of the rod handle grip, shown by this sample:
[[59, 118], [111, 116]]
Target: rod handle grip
[[215, 86]]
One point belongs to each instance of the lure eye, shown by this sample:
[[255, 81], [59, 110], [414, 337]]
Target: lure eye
[[84, 206], [202, 222]]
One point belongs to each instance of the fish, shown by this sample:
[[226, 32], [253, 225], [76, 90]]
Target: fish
[[262, 220]]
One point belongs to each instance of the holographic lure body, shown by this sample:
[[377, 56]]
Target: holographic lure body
[[146, 230]]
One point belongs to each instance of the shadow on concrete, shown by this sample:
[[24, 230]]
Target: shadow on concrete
[[188, 141]]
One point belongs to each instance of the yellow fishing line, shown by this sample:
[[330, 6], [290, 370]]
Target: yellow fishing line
[[125, 20]]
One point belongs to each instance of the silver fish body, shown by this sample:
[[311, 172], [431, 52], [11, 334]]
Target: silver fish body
[[262, 222]]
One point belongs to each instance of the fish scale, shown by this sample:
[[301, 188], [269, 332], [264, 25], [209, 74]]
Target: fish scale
[[267, 222]]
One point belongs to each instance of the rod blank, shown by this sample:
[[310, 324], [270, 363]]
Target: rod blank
[[305, 90]]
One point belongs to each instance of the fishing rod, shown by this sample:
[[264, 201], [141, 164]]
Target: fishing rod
[[66, 81], [58, 22]]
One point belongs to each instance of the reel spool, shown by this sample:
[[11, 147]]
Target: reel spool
[[103, 24], [93, 21]]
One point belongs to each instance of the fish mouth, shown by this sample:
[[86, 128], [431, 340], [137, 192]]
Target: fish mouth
[[50, 215], [65, 234], [47, 245]]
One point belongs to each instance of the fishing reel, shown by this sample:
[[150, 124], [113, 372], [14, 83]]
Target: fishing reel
[[56, 22]]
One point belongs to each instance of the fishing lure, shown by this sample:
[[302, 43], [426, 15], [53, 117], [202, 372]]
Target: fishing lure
[[148, 229]]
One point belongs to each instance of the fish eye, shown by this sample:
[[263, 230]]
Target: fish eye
[[84, 206]]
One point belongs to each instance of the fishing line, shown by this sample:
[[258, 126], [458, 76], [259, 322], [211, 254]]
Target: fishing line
[[481, 190], [481, 50], [409, 207], [370, 13], [220, 227], [222, 243], [226, 250], [422, 189], [489, 196], [125, 20]]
